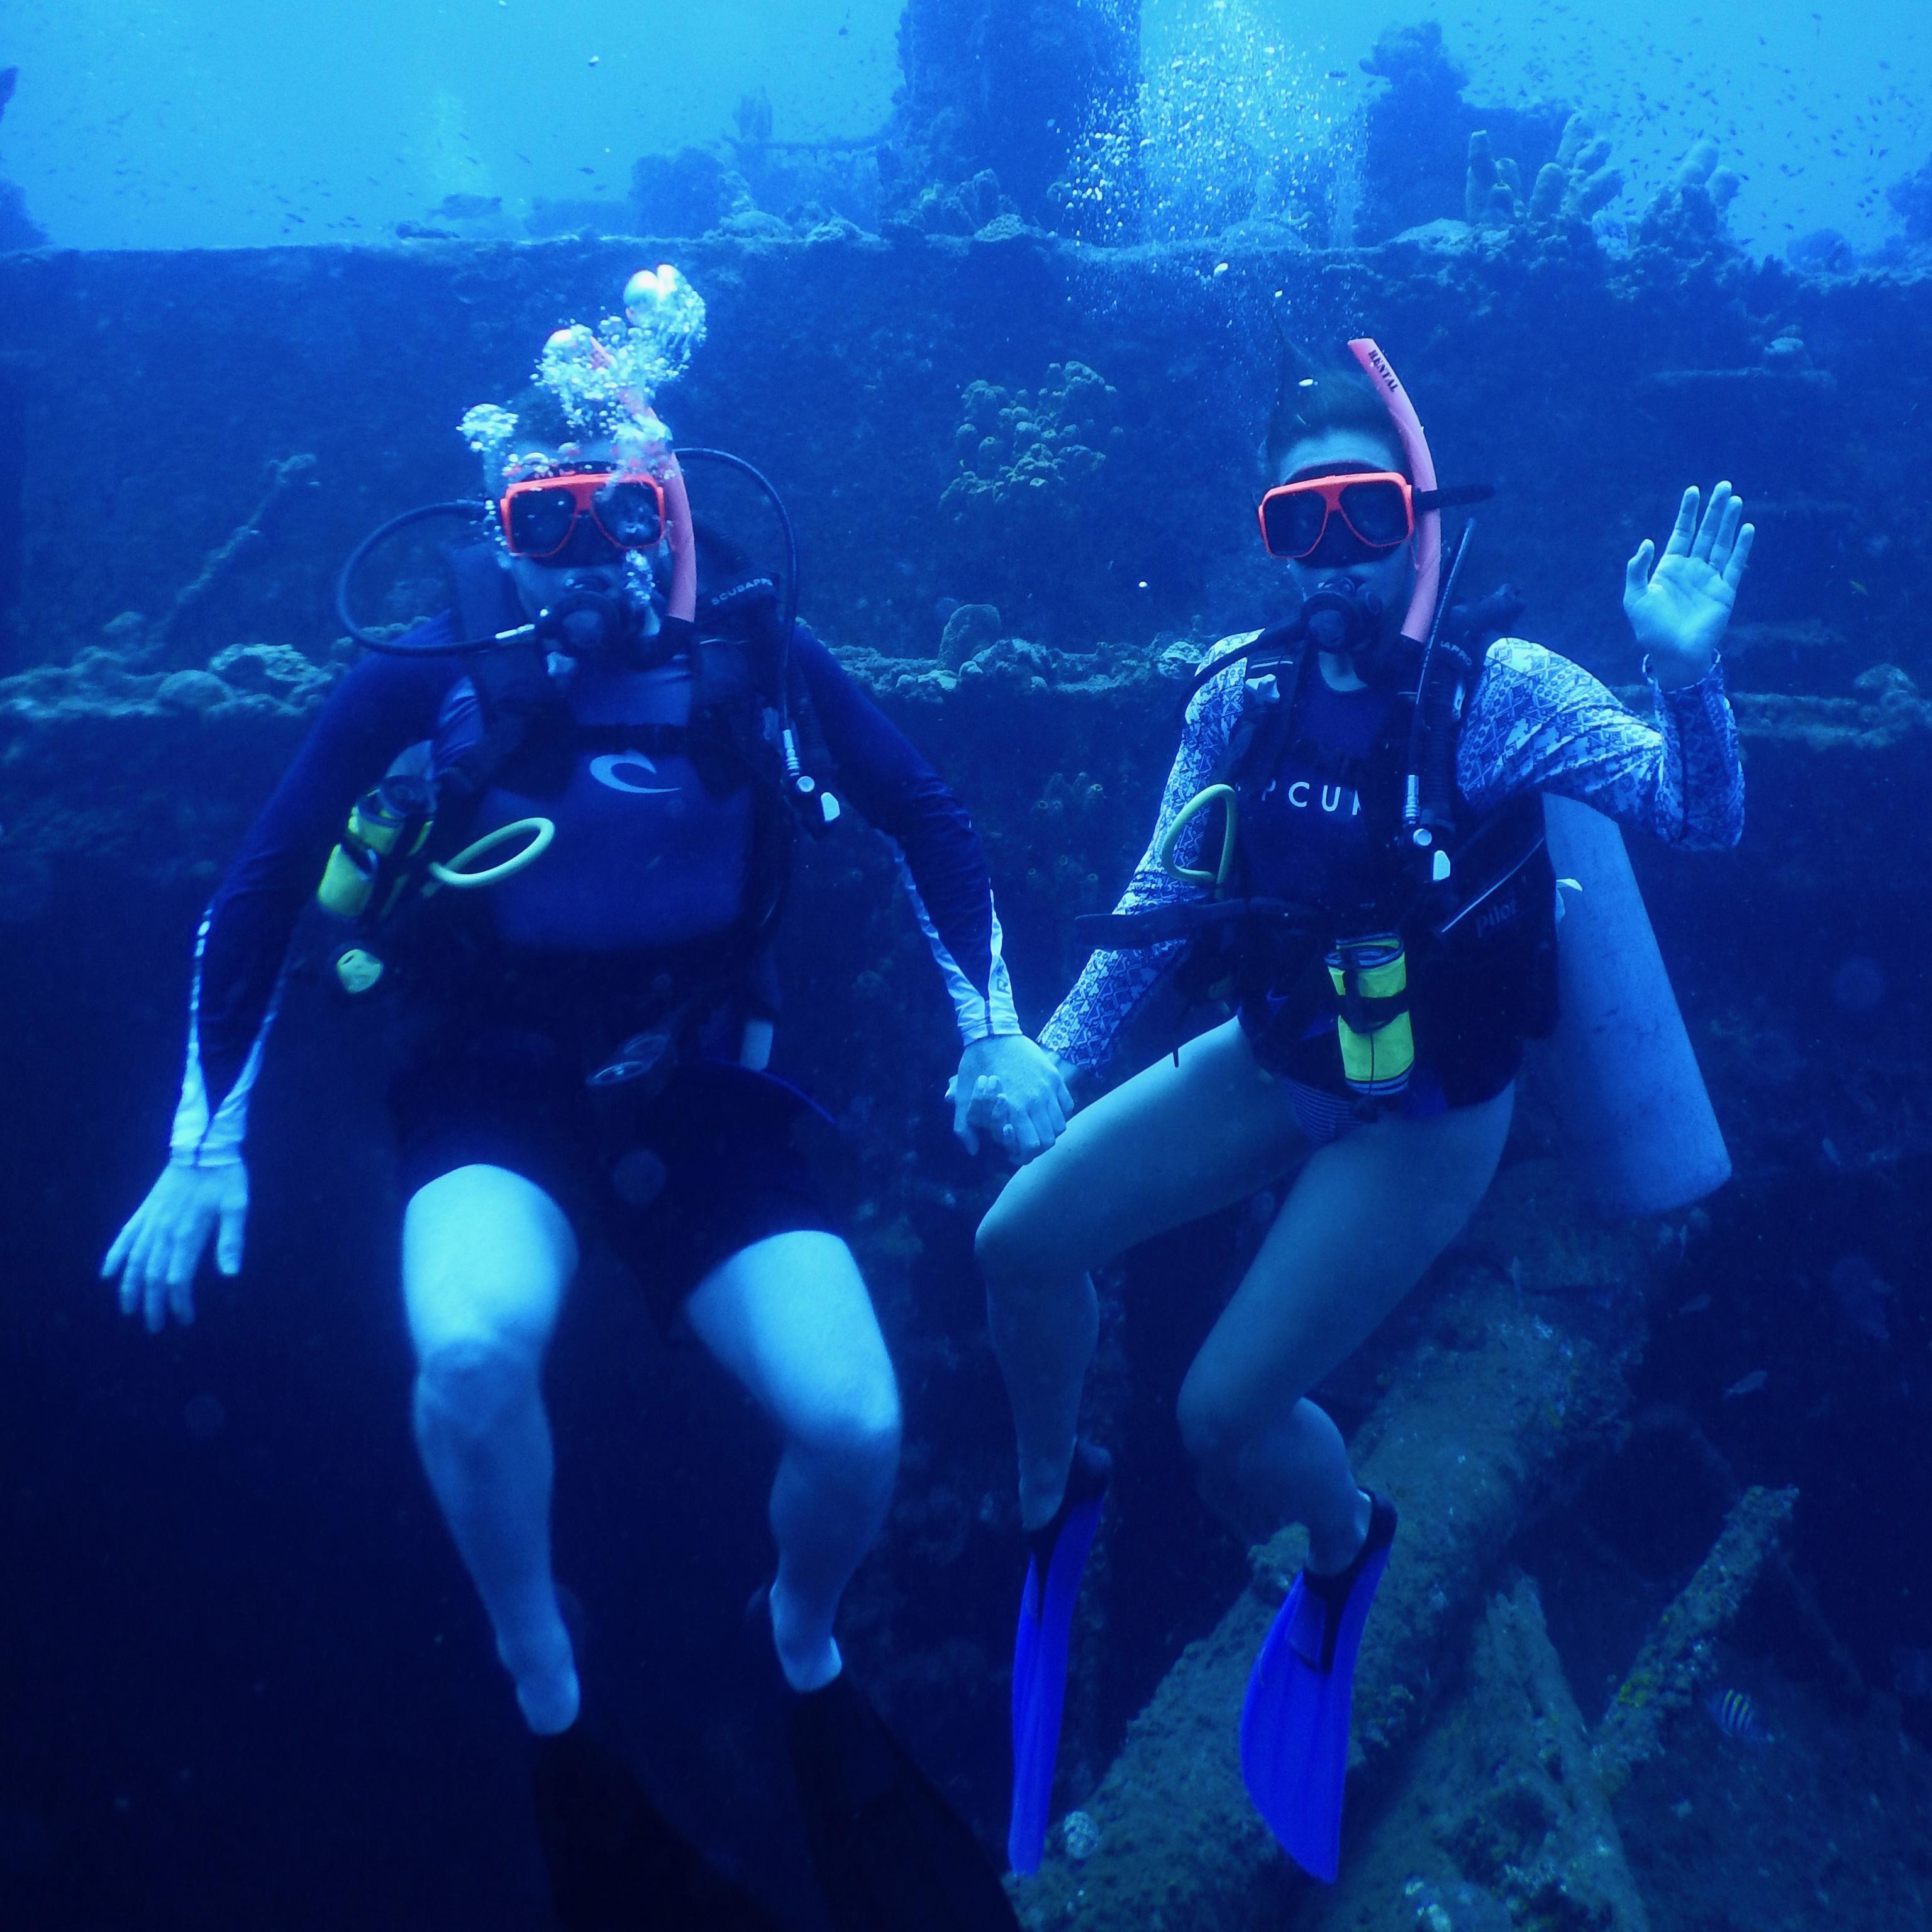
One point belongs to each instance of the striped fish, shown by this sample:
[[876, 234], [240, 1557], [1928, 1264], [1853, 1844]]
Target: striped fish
[[1735, 1715]]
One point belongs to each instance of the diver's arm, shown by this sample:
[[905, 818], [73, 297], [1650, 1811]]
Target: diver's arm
[[940, 862], [385, 702], [203, 1192], [1111, 985], [1539, 723]]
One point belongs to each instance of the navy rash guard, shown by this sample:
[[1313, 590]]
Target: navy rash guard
[[388, 702]]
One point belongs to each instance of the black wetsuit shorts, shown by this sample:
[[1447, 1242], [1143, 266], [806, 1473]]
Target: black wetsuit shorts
[[676, 1182]]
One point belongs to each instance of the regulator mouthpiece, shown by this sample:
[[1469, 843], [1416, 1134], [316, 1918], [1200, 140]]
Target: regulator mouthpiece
[[584, 622], [1340, 616]]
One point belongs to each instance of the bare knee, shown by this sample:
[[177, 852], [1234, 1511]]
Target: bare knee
[[466, 1387], [1012, 1245], [1214, 1430], [854, 1439]]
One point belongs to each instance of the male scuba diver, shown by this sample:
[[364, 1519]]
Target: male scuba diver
[[1350, 854], [571, 800]]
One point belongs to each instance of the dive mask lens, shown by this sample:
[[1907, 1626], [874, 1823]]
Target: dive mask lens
[[1377, 511], [537, 521], [631, 513], [1291, 521]]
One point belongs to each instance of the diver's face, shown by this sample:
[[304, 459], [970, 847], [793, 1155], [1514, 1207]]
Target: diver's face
[[589, 561], [1390, 575]]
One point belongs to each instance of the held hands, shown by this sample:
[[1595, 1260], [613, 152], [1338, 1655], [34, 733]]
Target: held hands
[[157, 1253], [1009, 1087], [1680, 610]]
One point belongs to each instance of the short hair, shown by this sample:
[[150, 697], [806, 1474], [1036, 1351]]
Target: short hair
[[1313, 398], [541, 418]]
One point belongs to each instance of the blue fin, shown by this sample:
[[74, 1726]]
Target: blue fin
[[1294, 1723], [1040, 1649]]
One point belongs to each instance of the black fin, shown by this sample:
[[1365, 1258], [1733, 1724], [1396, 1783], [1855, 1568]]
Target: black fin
[[890, 1854], [615, 1864]]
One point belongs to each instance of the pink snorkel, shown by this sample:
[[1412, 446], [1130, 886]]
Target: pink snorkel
[[1422, 476], [682, 601]]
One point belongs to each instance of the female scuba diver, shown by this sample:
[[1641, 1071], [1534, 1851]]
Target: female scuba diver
[[578, 792], [1349, 851]]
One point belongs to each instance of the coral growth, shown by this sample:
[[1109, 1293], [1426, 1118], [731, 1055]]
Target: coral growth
[[965, 209], [1031, 472], [1580, 181], [1687, 217], [1493, 196], [1567, 191], [688, 193]]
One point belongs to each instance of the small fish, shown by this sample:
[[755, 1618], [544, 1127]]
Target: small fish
[[1698, 1304], [1859, 588], [1735, 1715], [1748, 1385]]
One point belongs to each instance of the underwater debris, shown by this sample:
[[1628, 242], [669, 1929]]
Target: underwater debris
[[1675, 1662], [1181, 1843], [969, 629], [1498, 1820], [283, 476], [1080, 1836]]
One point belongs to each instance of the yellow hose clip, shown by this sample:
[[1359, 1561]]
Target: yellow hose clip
[[1192, 875], [541, 831]]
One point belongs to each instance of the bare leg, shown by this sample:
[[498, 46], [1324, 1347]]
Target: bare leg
[[790, 1318], [1171, 1144], [486, 1255], [1366, 1217]]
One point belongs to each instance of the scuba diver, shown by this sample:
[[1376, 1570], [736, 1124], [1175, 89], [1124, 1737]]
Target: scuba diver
[[571, 801], [1350, 853]]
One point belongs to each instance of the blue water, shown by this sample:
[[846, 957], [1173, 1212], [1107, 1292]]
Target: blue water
[[225, 123]]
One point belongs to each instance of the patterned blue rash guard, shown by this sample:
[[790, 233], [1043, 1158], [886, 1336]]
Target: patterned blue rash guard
[[1537, 723]]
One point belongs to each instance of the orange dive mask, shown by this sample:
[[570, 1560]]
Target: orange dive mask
[[552, 517], [1376, 508]]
